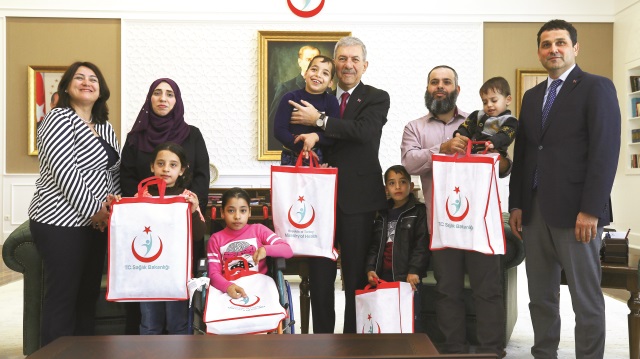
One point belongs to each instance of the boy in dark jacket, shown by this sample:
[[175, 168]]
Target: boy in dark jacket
[[400, 246]]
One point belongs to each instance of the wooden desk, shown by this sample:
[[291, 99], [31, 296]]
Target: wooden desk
[[622, 277], [240, 346]]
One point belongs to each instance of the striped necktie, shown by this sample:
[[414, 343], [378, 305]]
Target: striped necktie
[[551, 96]]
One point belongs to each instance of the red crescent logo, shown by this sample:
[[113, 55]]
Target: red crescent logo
[[302, 13], [143, 259], [461, 217], [245, 305], [302, 225]]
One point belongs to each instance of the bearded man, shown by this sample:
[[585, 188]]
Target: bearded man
[[422, 138]]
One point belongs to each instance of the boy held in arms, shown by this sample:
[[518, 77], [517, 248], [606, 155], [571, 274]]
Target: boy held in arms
[[400, 245], [494, 122], [318, 78]]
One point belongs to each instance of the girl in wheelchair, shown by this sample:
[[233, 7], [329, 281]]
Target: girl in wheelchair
[[251, 242]]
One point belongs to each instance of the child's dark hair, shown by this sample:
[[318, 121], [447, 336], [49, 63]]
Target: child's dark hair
[[183, 180], [235, 192], [324, 59], [498, 85], [397, 169]]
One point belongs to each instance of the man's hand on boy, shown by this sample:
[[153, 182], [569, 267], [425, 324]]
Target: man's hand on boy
[[373, 279], [413, 279], [306, 114], [235, 291]]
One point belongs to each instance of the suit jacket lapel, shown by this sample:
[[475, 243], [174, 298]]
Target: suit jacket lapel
[[355, 101], [573, 79]]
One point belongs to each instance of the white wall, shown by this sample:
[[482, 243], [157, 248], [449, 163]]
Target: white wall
[[210, 49], [626, 193]]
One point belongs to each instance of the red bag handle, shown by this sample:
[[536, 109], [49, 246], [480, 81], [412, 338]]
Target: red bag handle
[[150, 181], [368, 286], [469, 143], [313, 161]]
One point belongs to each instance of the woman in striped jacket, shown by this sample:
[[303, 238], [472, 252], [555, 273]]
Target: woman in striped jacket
[[79, 161]]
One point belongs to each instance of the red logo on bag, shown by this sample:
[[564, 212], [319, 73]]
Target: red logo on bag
[[305, 13], [371, 327], [249, 301], [301, 211], [148, 244], [457, 204]]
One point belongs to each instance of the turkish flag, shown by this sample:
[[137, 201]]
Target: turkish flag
[[39, 97]]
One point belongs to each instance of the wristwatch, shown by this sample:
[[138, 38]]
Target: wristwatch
[[320, 121]]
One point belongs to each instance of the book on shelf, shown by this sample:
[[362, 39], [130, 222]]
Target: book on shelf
[[634, 160], [635, 135], [635, 83], [635, 107]]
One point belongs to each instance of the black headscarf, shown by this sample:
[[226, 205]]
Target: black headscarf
[[151, 130]]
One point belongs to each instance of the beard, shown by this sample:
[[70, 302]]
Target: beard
[[438, 107]]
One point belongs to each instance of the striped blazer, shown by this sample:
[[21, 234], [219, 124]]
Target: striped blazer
[[74, 178]]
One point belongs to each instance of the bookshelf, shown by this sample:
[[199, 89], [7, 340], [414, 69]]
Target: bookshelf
[[632, 115]]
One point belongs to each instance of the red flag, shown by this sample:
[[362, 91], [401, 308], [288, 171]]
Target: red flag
[[39, 97]]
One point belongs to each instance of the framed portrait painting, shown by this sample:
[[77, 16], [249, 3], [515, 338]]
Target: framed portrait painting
[[526, 79], [283, 57], [42, 84]]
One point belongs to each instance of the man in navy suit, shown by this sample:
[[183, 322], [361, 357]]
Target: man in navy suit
[[565, 160], [360, 189]]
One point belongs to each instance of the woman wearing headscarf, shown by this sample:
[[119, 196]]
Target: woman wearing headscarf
[[161, 120]]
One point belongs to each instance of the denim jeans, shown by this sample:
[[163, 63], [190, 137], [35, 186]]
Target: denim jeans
[[155, 315]]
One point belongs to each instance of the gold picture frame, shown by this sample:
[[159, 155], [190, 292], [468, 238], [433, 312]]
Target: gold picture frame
[[277, 65], [526, 79], [42, 82]]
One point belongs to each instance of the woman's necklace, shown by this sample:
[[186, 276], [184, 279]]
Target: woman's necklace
[[87, 122]]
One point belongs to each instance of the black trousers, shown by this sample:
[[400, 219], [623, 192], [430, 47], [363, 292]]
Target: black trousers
[[73, 258], [449, 267], [353, 233]]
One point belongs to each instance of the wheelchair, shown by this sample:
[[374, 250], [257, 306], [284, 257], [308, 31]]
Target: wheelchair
[[276, 267]]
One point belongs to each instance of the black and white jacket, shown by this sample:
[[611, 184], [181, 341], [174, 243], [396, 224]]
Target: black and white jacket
[[74, 178]]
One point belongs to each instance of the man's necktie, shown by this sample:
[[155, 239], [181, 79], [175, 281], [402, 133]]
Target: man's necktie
[[343, 102], [551, 96]]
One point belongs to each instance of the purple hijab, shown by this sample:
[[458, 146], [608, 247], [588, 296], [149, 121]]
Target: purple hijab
[[151, 130]]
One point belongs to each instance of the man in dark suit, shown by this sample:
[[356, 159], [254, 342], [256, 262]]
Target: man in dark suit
[[565, 160], [360, 189]]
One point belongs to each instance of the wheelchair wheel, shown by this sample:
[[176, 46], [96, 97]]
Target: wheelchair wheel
[[284, 290], [291, 321]]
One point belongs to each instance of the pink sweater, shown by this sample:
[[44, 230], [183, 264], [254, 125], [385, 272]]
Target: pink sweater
[[229, 243]]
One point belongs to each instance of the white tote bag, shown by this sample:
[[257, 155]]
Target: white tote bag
[[466, 211], [149, 247], [259, 312], [303, 202], [387, 308]]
